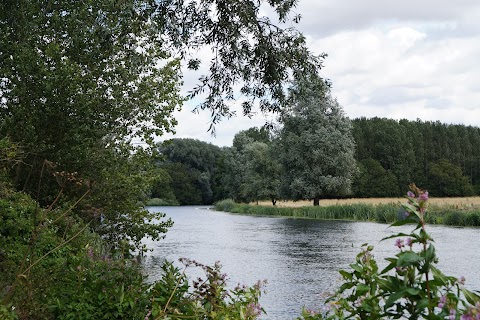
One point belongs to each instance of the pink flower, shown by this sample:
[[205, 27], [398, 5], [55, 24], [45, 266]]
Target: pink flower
[[408, 242], [423, 196], [399, 243]]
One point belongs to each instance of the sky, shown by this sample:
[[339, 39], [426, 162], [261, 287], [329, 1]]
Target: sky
[[394, 59]]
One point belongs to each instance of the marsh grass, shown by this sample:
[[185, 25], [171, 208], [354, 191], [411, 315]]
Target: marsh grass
[[453, 203], [447, 211]]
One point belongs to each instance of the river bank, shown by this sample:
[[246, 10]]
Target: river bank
[[450, 215]]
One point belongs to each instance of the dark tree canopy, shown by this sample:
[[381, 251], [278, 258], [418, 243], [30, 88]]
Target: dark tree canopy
[[198, 160]]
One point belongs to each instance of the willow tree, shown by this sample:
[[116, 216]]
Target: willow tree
[[82, 82], [316, 144]]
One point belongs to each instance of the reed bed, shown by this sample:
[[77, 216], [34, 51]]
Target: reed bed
[[452, 213]]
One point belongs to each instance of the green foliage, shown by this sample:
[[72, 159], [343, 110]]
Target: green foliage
[[384, 213], [42, 252], [184, 184], [101, 288], [359, 212], [161, 202], [249, 50], [224, 205], [197, 160], [373, 181], [409, 287], [316, 146], [432, 144], [262, 172], [7, 312], [208, 298], [162, 189], [447, 180]]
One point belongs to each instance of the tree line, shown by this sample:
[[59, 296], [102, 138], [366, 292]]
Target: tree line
[[267, 164]]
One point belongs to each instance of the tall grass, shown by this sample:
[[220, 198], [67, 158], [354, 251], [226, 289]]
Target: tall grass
[[384, 213]]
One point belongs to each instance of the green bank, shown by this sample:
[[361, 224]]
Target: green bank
[[384, 213]]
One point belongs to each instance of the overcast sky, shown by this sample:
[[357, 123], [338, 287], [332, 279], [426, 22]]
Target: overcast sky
[[394, 59]]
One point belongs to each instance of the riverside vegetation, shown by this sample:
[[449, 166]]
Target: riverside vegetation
[[83, 83], [384, 213], [52, 266], [410, 287]]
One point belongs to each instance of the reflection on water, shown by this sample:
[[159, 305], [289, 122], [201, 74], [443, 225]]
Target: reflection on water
[[298, 257]]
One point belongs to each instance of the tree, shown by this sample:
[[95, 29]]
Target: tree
[[162, 187], [447, 180], [184, 184], [374, 181], [317, 147], [248, 51], [262, 173], [230, 174], [79, 81], [83, 82], [199, 157]]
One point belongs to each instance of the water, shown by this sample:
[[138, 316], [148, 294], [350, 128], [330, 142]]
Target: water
[[300, 258]]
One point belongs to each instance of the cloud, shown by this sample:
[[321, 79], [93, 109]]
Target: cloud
[[324, 17], [394, 59]]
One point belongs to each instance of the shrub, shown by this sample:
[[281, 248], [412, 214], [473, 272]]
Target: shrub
[[225, 205], [161, 202], [208, 298]]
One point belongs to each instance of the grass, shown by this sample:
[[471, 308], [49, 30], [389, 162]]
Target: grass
[[458, 203], [447, 211]]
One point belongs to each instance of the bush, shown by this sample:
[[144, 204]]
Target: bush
[[173, 298], [101, 288], [225, 205], [157, 202]]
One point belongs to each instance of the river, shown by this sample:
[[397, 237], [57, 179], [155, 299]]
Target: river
[[300, 258]]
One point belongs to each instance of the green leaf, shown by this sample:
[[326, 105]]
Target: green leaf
[[346, 275], [413, 291], [409, 220], [471, 297], [389, 267], [356, 267], [422, 304], [394, 297], [408, 258], [345, 286], [438, 275], [401, 234], [361, 289]]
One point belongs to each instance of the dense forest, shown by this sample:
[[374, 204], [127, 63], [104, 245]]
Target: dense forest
[[390, 154]]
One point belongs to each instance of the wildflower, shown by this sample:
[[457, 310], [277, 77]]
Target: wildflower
[[461, 280], [406, 213], [399, 243], [408, 242], [253, 310], [410, 194], [442, 301], [423, 196], [453, 312]]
